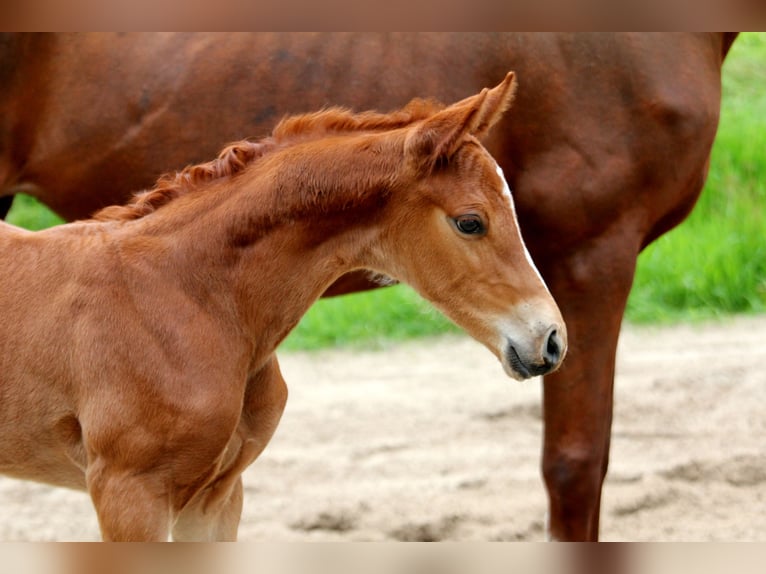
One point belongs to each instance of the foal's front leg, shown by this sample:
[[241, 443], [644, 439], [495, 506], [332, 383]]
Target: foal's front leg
[[212, 516], [130, 508], [140, 480], [214, 513], [148, 460]]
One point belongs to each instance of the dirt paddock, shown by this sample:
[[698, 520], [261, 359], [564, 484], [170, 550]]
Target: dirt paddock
[[429, 440]]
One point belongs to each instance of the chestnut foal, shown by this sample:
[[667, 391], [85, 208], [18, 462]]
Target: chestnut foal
[[138, 347]]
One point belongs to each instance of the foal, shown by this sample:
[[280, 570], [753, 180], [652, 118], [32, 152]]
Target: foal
[[137, 349]]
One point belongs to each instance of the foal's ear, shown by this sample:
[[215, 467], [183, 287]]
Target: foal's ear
[[440, 136]]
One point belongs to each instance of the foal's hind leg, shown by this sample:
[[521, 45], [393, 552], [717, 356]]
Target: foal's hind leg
[[214, 513]]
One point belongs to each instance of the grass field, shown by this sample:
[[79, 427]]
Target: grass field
[[714, 264]]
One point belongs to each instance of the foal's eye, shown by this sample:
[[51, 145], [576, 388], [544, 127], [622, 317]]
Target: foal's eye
[[470, 225]]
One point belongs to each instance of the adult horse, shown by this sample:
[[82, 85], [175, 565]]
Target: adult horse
[[608, 150]]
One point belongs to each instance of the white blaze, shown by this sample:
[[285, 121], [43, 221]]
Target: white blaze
[[507, 194]]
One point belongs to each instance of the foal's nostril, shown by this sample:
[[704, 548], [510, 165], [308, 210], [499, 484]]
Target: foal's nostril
[[552, 350]]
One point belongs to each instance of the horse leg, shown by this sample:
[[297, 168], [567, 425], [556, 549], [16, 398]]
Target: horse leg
[[215, 512], [591, 289], [213, 516], [130, 507], [5, 205]]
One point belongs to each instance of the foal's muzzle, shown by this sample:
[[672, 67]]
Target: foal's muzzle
[[547, 357]]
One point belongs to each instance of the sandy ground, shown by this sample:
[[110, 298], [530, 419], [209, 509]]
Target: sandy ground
[[430, 441]]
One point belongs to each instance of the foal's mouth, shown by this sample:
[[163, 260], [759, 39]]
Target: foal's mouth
[[525, 370]]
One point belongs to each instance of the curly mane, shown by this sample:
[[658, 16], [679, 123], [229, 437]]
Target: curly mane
[[237, 156], [233, 159]]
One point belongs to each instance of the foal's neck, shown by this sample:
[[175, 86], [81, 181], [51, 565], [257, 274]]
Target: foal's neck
[[270, 242]]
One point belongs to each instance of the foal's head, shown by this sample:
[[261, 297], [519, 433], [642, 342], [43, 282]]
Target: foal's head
[[453, 236]]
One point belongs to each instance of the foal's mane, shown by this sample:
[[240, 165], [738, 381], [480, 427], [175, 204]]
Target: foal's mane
[[236, 157]]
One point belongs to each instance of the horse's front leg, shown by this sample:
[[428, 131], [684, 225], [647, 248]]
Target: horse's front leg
[[591, 289], [149, 458], [138, 496], [214, 515], [130, 508], [215, 512]]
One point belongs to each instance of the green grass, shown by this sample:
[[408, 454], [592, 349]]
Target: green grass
[[369, 320], [713, 264], [29, 213]]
